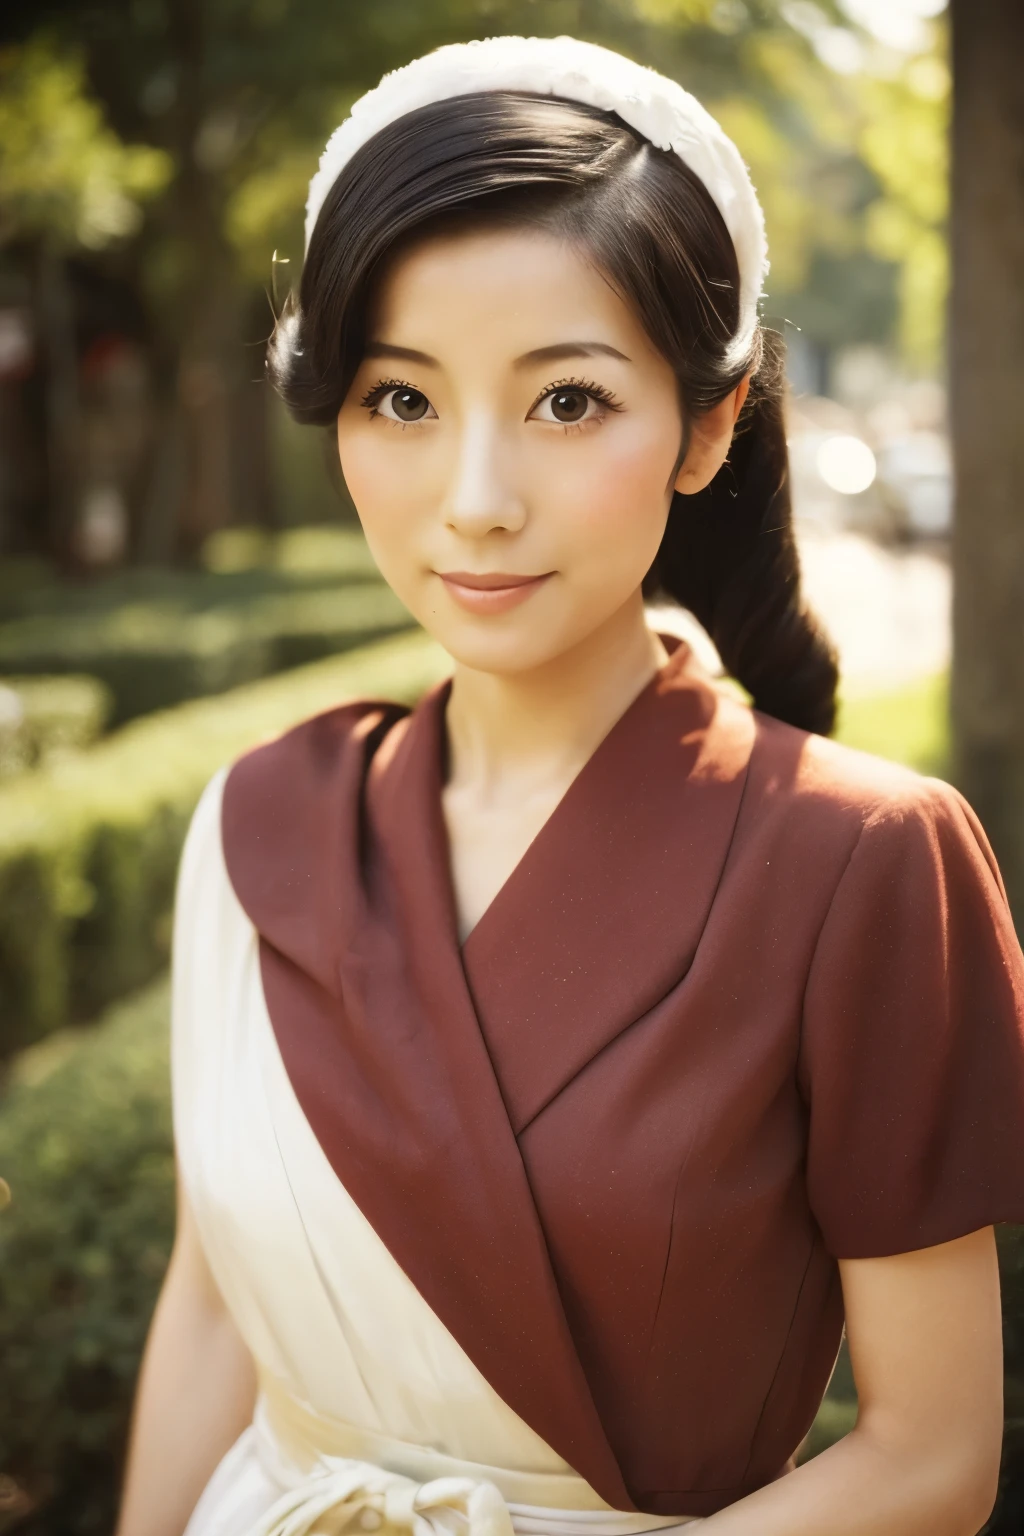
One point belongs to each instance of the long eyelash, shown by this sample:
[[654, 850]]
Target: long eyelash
[[586, 386], [379, 390]]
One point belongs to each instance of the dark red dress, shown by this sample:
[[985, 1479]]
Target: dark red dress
[[751, 1002]]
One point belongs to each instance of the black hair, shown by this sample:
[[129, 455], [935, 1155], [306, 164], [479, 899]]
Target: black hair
[[651, 226]]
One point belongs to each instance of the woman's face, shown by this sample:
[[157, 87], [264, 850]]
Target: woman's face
[[510, 442]]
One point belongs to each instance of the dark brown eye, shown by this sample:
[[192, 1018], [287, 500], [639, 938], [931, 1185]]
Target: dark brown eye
[[569, 405], [408, 404]]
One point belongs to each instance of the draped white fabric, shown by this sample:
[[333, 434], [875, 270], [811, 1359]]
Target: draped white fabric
[[343, 1342]]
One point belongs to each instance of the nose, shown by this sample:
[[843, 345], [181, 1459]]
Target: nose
[[481, 497]]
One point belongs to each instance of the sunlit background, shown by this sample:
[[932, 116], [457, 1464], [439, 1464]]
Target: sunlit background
[[181, 573], [150, 171]]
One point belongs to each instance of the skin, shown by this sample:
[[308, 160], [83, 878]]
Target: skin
[[490, 481], [196, 1393]]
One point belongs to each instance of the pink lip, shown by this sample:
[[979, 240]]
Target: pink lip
[[493, 592]]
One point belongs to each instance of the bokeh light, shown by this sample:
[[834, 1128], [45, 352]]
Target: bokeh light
[[846, 464]]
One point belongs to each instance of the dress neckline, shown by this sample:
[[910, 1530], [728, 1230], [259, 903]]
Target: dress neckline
[[435, 704]]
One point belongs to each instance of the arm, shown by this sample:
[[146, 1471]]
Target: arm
[[196, 1391], [925, 1338]]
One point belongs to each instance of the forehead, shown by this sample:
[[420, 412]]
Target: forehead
[[516, 289]]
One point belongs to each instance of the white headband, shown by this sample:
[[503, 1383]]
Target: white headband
[[658, 108]]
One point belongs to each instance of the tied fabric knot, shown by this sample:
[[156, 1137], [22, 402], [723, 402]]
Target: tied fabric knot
[[341, 1495]]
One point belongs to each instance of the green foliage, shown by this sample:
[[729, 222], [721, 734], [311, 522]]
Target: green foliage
[[89, 847], [238, 566], [904, 139], [327, 553], [143, 653], [21, 574], [156, 652], [835, 1418], [63, 172], [909, 724], [85, 1145], [43, 717], [841, 157]]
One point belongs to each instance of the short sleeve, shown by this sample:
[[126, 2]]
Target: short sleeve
[[912, 1046]]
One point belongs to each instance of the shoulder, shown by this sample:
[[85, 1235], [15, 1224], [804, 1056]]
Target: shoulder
[[287, 784], [317, 748], [269, 785], [849, 797], [814, 804], [902, 853], [292, 815]]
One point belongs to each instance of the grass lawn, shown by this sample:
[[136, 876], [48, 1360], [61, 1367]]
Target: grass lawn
[[909, 724]]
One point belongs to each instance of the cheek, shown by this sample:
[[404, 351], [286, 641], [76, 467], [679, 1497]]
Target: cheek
[[376, 481], [616, 492], [389, 483]]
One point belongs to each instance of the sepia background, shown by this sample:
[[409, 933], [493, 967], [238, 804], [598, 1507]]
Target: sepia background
[[182, 574]]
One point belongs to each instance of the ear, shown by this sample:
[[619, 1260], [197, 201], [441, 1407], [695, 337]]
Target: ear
[[710, 442]]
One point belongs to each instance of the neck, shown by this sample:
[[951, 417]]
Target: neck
[[508, 732]]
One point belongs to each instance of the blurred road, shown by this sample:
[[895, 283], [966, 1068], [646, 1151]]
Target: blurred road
[[888, 610]]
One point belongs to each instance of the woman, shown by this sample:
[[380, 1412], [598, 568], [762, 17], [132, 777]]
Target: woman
[[556, 1065]]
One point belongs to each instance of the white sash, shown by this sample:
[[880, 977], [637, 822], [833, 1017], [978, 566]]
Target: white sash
[[339, 1478]]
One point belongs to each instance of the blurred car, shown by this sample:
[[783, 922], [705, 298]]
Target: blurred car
[[915, 481]]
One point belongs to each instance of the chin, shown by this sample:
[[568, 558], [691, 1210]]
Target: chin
[[503, 645], [504, 654]]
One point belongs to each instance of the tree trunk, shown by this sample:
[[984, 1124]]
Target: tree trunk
[[197, 482], [56, 320], [207, 383], [987, 400]]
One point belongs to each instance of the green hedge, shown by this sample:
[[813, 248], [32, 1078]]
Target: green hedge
[[155, 653], [89, 847], [312, 550], [85, 1145], [42, 718], [238, 565]]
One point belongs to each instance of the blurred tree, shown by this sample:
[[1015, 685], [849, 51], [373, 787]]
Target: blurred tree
[[872, 183], [987, 386], [775, 73], [904, 140], [241, 94], [224, 90], [66, 181], [63, 173]]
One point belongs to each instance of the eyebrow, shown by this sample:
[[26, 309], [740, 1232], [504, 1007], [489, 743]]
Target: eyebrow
[[403, 354], [566, 349], [558, 352]]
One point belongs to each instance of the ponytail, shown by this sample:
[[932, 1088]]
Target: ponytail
[[729, 555]]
